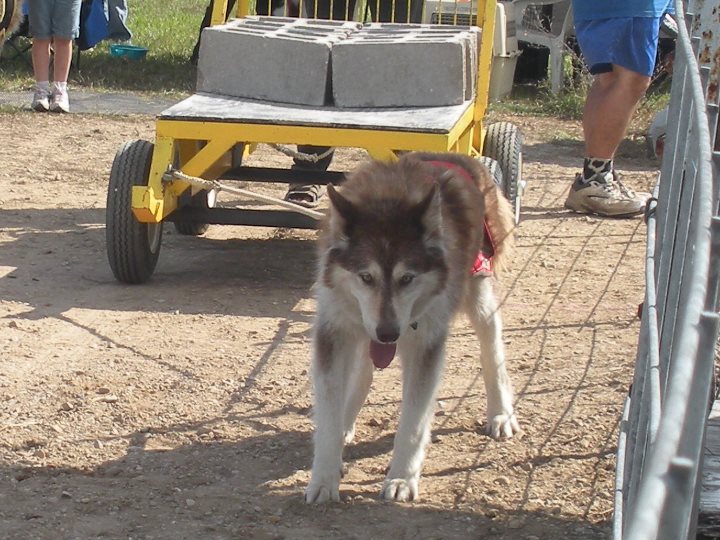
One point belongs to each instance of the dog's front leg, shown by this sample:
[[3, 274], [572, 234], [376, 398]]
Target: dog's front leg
[[332, 353], [359, 379], [422, 371]]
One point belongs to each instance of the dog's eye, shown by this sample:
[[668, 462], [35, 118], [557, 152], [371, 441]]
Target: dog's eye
[[406, 279], [366, 278]]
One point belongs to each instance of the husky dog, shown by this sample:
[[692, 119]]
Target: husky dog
[[396, 254]]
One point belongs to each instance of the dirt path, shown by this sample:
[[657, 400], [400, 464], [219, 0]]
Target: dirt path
[[180, 409]]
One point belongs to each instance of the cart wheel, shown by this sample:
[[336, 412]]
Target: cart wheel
[[493, 168], [204, 199], [503, 143], [132, 247]]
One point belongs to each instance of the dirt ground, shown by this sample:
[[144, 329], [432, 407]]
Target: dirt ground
[[180, 409]]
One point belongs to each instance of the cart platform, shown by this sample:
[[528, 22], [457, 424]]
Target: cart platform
[[218, 108]]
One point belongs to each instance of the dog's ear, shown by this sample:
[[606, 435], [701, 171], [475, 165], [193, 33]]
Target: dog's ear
[[341, 204], [342, 214], [428, 216]]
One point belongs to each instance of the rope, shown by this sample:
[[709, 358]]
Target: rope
[[313, 158], [174, 174]]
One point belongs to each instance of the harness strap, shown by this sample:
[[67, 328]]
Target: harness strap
[[483, 265]]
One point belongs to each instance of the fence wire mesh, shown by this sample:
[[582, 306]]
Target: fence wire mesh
[[659, 460]]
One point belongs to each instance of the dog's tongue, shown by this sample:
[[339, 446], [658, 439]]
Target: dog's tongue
[[382, 353]]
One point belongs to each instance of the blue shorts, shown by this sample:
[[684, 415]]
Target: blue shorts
[[54, 18], [629, 42]]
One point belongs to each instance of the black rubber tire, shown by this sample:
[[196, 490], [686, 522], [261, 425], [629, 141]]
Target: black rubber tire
[[503, 143], [133, 247], [493, 168], [204, 199], [7, 16]]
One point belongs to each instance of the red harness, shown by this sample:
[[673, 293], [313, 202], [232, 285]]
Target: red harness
[[483, 265]]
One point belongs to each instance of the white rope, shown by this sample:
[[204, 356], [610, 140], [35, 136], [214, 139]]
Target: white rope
[[313, 158], [214, 184]]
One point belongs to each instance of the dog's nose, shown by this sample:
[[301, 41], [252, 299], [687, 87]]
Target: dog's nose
[[387, 333]]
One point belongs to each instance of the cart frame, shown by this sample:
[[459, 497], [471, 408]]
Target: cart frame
[[198, 138], [177, 139]]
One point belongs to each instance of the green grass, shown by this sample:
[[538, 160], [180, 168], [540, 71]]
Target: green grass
[[168, 29], [539, 101]]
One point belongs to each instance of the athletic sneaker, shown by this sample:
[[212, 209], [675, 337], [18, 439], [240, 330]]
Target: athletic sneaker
[[59, 101], [41, 100], [605, 195]]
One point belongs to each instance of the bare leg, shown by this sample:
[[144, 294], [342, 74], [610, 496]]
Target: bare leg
[[63, 58], [610, 104], [41, 59]]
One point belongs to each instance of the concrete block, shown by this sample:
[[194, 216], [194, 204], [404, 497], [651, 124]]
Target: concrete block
[[270, 58], [392, 65]]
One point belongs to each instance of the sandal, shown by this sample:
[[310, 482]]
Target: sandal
[[307, 195]]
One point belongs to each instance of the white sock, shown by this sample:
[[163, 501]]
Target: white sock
[[62, 86], [43, 85]]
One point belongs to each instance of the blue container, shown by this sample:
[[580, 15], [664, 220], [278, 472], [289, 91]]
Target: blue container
[[132, 52]]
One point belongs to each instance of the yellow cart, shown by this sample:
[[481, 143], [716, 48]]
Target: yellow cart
[[206, 136]]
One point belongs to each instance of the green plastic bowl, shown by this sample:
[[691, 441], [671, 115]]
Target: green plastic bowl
[[132, 52]]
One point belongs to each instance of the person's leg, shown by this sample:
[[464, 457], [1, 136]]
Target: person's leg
[[41, 62], [65, 28], [62, 59], [621, 55], [609, 106], [40, 30], [41, 59], [309, 195]]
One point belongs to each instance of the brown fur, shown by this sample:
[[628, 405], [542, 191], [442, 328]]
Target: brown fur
[[498, 212], [395, 257], [409, 180]]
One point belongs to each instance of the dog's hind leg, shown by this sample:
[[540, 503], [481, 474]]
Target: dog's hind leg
[[332, 361], [422, 371], [358, 385], [484, 313]]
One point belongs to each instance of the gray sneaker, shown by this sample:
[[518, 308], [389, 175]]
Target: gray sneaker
[[605, 196], [59, 101], [41, 100]]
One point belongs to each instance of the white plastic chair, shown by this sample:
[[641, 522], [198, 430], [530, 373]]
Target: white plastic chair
[[531, 31]]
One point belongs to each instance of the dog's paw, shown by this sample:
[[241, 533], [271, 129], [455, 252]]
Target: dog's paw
[[324, 486], [322, 492], [400, 489], [502, 426]]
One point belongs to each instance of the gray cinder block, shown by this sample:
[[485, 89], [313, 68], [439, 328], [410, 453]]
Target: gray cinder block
[[391, 65], [270, 58]]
